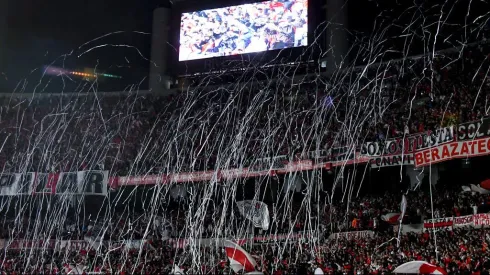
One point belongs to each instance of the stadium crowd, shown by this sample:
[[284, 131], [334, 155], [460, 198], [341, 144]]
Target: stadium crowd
[[460, 251], [141, 134], [368, 212], [136, 134]]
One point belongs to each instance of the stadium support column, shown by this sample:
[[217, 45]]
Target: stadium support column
[[336, 40], [159, 80], [416, 176], [3, 34], [433, 171]]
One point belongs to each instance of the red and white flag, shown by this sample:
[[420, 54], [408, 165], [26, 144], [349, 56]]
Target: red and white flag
[[419, 267], [239, 258], [391, 218]]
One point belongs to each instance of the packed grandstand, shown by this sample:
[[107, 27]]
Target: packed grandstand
[[358, 172]]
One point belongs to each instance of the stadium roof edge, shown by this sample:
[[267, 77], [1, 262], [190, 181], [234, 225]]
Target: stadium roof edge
[[177, 90], [360, 67], [118, 93]]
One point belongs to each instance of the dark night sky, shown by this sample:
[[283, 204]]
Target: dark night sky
[[68, 24], [71, 23], [76, 21], [34, 33]]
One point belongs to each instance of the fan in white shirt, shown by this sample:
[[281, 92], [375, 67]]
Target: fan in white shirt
[[257, 44]]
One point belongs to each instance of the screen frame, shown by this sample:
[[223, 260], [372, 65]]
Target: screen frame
[[178, 68], [231, 54]]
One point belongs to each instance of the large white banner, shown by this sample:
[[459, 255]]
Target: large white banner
[[408, 145], [256, 211], [463, 221], [448, 223], [481, 220], [80, 182]]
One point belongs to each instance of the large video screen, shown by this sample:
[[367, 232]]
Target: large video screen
[[248, 28]]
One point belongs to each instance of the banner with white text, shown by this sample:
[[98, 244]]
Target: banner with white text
[[459, 149]]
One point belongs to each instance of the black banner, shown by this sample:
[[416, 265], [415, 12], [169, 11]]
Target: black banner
[[396, 160]]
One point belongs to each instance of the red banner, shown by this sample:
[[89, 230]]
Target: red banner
[[440, 223], [461, 149]]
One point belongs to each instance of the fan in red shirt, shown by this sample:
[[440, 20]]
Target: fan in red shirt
[[274, 5]]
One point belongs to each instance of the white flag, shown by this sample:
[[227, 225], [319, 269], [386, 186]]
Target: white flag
[[78, 269], [403, 207], [477, 188], [177, 270], [257, 212]]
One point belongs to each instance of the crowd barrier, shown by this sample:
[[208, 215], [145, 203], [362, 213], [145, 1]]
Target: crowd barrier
[[305, 236], [88, 243], [71, 245], [446, 223]]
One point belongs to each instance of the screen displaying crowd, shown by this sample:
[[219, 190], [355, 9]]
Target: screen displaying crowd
[[263, 26]]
